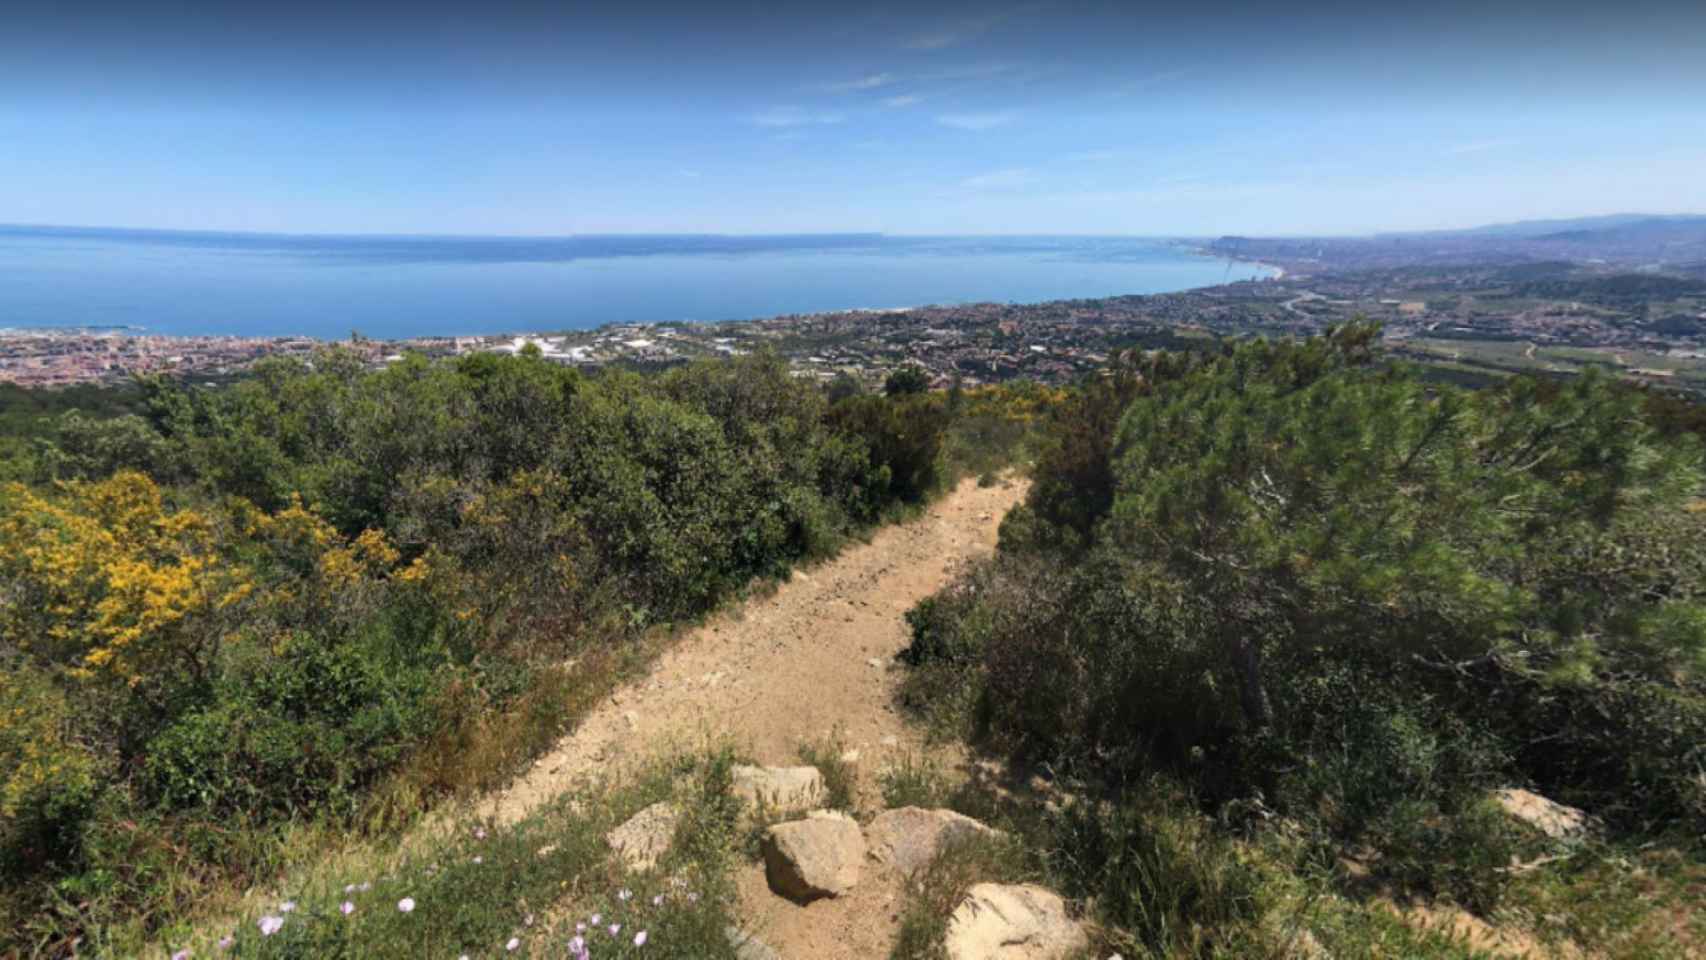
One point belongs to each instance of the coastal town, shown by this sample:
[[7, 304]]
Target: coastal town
[[1652, 326]]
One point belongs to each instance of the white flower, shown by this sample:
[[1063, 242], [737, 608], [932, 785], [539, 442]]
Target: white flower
[[640, 939], [346, 908], [406, 904], [287, 906], [269, 925], [513, 943], [225, 943], [624, 895]]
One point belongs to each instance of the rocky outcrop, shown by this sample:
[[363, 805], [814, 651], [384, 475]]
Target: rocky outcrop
[[908, 838], [779, 788], [820, 856], [646, 836], [1549, 817], [1012, 922]]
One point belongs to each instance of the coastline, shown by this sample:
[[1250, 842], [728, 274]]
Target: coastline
[[812, 340]]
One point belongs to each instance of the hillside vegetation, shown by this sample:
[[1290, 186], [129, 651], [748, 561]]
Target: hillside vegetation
[[1283, 619], [241, 623]]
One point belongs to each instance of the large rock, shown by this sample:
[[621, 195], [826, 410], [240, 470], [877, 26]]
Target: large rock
[[646, 836], [819, 856], [1549, 817], [1012, 922], [910, 837], [780, 788]]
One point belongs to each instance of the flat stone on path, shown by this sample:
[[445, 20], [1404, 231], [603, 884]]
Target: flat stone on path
[[780, 788], [646, 836], [820, 856], [1012, 922], [909, 838]]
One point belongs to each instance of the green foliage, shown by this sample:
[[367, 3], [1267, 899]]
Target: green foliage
[[485, 886], [905, 443], [840, 777], [49, 783], [1158, 872], [327, 594], [1311, 586], [305, 729], [907, 380], [936, 891], [1073, 484], [914, 780]]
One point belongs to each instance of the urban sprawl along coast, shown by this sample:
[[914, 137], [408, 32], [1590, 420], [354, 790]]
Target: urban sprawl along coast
[[1489, 317]]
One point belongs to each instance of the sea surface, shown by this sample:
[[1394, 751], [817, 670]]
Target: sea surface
[[399, 287]]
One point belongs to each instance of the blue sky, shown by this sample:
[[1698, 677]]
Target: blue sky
[[1199, 119]]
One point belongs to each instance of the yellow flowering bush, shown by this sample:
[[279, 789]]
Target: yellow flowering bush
[[106, 580]]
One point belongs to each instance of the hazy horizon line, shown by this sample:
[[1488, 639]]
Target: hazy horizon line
[[383, 235]]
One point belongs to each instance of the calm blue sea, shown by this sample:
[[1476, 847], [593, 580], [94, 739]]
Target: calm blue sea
[[396, 287]]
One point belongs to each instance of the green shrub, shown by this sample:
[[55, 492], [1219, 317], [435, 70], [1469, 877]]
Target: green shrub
[[904, 436], [1158, 871], [1317, 589], [840, 777], [49, 783], [307, 730]]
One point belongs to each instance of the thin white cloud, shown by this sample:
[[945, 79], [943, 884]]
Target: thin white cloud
[[1007, 179], [904, 100], [1152, 80], [870, 81], [935, 40], [975, 121], [968, 71], [1478, 146], [793, 117], [960, 31]]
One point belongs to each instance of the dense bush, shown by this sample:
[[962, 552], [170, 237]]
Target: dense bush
[[1299, 579], [313, 594]]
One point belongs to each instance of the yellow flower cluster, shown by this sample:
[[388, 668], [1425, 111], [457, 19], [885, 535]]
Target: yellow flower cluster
[[108, 580]]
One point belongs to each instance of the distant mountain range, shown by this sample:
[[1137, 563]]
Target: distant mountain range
[[1670, 243], [1573, 226]]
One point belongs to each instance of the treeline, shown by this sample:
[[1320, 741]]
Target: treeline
[[1293, 583], [325, 594]]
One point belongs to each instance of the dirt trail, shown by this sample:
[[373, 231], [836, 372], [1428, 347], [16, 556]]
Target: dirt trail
[[812, 659]]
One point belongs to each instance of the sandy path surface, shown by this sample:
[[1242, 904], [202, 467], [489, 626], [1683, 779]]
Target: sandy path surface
[[807, 661], [785, 668]]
